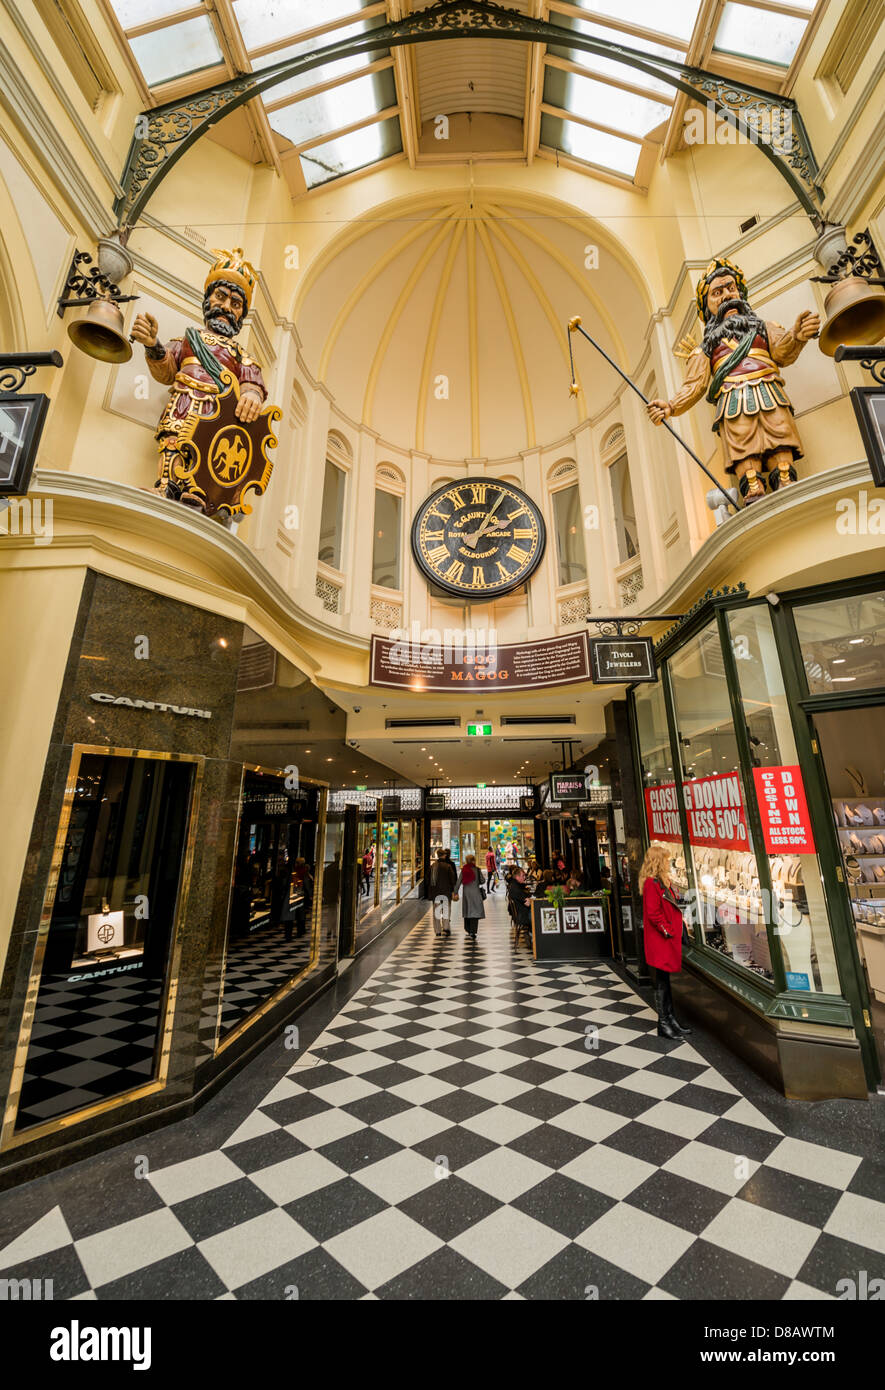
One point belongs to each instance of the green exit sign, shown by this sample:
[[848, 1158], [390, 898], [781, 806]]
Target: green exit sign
[[362, 787], [479, 730], [481, 786]]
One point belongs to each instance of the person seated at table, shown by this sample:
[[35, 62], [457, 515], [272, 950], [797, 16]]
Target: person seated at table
[[574, 884], [544, 882], [518, 899]]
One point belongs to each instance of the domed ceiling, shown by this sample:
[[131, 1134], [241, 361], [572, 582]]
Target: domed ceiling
[[444, 328]]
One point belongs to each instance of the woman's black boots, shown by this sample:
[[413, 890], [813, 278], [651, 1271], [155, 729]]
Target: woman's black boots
[[664, 1006], [666, 1027]]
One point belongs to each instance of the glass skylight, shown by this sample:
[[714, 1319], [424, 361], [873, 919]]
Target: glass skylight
[[676, 17], [348, 153], [131, 13], [316, 76], [267, 21], [342, 106], [592, 146], [176, 50], [602, 103], [610, 67], [748, 32]]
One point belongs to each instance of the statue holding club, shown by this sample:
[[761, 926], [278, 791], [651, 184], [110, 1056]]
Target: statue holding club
[[737, 366]]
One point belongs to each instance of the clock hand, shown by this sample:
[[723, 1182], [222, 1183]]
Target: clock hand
[[474, 536]]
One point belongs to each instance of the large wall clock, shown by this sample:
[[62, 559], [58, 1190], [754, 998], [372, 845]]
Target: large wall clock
[[478, 538]]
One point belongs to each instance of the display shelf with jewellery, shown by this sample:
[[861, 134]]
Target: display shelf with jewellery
[[860, 821]]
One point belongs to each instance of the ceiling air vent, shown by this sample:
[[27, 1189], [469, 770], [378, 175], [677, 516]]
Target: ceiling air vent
[[538, 720], [422, 723]]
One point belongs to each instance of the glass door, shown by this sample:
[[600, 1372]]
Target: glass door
[[852, 744]]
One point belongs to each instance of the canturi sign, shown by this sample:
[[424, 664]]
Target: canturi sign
[[103, 699]]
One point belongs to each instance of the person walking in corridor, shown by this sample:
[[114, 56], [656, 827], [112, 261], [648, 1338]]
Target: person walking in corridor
[[441, 886], [491, 869], [662, 922], [470, 885]]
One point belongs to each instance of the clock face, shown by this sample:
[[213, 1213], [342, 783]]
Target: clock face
[[478, 538]]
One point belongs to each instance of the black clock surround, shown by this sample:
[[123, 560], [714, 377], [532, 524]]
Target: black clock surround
[[478, 538]]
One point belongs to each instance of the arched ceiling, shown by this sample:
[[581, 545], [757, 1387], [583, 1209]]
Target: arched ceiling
[[445, 329]]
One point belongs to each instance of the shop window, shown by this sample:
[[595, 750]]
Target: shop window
[[799, 905], [102, 991], [730, 908], [843, 643], [569, 535], [331, 516], [658, 782], [271, 931], [386, 540], [624, 509]]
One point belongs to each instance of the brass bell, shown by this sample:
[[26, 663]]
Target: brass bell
[[100, 332], [855, 313]]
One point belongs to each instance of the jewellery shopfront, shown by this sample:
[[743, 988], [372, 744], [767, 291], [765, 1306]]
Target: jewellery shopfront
[[172, 911], [760, 751]]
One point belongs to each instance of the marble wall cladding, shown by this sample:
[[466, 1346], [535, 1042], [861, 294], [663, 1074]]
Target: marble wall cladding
[[129, 643], [138, 645], [213, 882]]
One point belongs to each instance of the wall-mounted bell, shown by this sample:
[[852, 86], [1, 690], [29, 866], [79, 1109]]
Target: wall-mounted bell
[[855, 314], [100, 332]]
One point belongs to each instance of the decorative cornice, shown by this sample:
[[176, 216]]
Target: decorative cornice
[[42, 138], [36, 51], [752, 527], [238, 573]]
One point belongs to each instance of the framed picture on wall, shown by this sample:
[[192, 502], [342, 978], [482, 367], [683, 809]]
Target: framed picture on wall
[[571, 919], [594, 919], [550, 921]]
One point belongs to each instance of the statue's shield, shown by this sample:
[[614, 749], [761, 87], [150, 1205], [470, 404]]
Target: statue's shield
[[223, 458]]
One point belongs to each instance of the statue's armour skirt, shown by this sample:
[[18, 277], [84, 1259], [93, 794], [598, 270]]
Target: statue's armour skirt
[[754, 420]]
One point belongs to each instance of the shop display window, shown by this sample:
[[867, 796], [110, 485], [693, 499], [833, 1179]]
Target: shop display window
[[728, 905], [388, 866], [274, 914], [103, 977], [798, 911], [658, 782], [843, 643]]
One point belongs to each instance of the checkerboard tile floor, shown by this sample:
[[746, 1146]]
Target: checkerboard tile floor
[[473, 1125], [88, 1041]]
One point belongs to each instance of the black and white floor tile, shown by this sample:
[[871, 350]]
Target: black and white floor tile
[[88, 1043], [474, 1125]]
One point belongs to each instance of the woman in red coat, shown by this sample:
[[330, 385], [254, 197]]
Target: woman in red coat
[[662, 921]]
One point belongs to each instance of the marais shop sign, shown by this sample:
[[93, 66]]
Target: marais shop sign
[[714, 807]]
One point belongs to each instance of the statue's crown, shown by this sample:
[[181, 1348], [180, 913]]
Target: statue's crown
[[232, 267]]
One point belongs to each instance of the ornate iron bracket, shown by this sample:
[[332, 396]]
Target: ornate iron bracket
[[629, 627], [773, 123], [872, 359], [84, 287], [16, 367], [707, 599], [860, 258]]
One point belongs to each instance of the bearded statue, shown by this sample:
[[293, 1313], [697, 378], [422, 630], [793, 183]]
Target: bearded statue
[[737, 366], [192, 366]]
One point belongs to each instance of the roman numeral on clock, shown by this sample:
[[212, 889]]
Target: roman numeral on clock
[[438, 535], [520, 511], [455, 572], [438, 554], [479, 579], [455, 498], [520, 533], [520, 556], [502, 570], [478, 492]]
